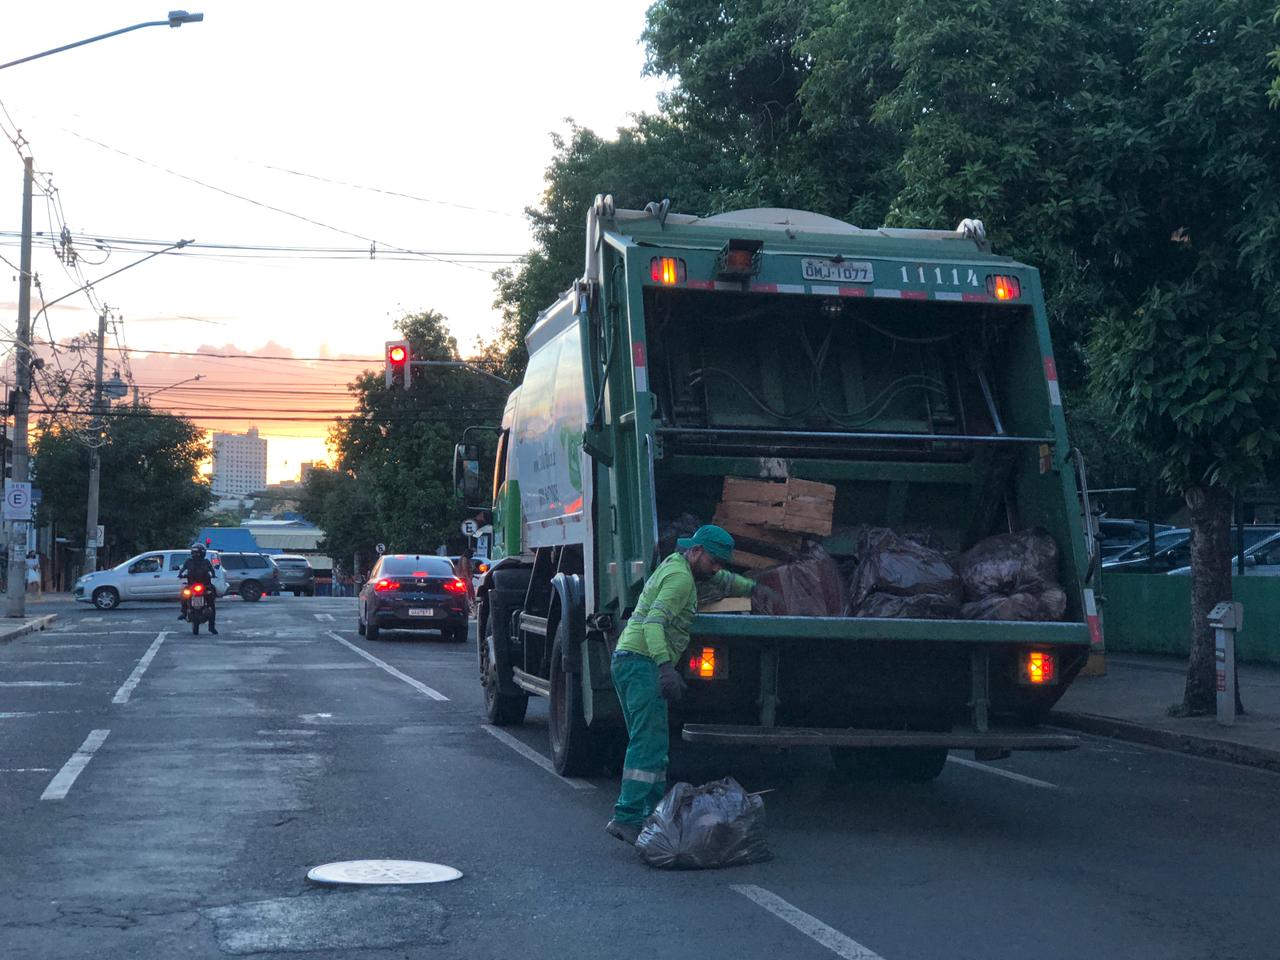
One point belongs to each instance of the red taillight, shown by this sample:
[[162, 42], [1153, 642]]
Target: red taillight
[[455, 585], [1004, 288], [397, 354], [382, 586], [198, 588], [667, 270]]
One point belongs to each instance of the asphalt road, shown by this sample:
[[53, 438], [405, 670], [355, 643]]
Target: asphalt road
[[163, 796]]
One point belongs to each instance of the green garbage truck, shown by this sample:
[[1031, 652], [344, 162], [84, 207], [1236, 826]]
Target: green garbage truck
[[909, 372]]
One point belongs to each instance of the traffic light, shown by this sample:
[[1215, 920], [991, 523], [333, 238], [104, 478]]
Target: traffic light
[[399, 364]]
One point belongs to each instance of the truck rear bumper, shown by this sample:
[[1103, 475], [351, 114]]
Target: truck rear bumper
[[959, 739], [893, 629]]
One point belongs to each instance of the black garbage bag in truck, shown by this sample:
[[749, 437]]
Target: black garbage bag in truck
[[898, 576], [1013, 576], [717, 824]]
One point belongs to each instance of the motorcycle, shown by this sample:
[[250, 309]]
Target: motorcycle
[[198, 602]]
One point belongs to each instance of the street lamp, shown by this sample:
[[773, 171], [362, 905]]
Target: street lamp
[[15, 600], [176, 19]]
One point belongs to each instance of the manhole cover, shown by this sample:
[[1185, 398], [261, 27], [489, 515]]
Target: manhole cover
[[369, 872]]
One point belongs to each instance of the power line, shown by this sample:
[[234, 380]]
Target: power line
[[262, 204]]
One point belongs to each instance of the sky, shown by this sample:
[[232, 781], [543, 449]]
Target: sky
[[397, 143]]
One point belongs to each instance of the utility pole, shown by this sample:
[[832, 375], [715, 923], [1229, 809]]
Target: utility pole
[[95, 460], [16, 596]]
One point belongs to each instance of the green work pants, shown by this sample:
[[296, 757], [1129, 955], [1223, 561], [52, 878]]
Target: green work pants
[[644, 772]]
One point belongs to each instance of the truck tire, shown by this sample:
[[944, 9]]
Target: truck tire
[[572, 751], [500, 709], [913, 764]]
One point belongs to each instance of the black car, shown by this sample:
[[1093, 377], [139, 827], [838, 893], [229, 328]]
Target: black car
[[250, 574], [413, 592]]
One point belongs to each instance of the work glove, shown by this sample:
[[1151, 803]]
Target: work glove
[[670, 683]]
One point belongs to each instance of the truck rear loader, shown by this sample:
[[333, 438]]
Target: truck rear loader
[[909, 370]]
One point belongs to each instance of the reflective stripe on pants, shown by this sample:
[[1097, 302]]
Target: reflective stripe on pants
[[644, 772]]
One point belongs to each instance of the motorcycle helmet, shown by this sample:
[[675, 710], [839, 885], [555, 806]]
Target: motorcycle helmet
[[197, 550]]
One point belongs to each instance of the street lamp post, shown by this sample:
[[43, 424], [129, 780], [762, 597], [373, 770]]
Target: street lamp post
[[176, 19], [16, 597]]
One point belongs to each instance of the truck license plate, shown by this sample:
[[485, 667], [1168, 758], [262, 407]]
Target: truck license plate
[[837, 271], [422, 612]]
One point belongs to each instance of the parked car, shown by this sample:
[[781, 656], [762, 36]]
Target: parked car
[[1261, 559], [1171, 551], [413, 592], [296, 575], [250, 575], [148, 576], [1117, 535]]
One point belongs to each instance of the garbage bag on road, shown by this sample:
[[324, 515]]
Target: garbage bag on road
[[717, 824]]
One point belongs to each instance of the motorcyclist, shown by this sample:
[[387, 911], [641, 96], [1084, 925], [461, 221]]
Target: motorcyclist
[[198, 569]]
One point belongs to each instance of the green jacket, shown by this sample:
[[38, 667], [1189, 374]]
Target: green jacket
[[659, 626]]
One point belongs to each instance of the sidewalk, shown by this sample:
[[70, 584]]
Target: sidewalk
[[21, 626], [1131, 702]]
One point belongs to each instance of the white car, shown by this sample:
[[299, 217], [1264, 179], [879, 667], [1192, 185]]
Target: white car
[[148, 576], [1260, 560]]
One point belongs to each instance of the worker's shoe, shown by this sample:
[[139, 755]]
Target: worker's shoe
[[213, 630], [628, 833]]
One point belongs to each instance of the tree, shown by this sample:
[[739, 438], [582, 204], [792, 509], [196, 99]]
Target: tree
[[392, 480], [151, 491]]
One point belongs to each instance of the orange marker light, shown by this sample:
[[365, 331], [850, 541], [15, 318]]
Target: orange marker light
[[1041, 667], [668, 271], [1004, 288], [703, 663]]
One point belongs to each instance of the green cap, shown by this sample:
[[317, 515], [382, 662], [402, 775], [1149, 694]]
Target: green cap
[[715, 540]]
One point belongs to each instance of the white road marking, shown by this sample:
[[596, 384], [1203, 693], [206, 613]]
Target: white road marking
[[126, 688], [1007, 774], [323, 616], [37, 683], [26, 769], [10, 716], [91, 619], [52, 663], [64, 778], [416, 684], [529, 753], [810, 926]]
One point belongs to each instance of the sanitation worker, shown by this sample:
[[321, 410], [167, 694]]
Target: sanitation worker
[[644, 665]]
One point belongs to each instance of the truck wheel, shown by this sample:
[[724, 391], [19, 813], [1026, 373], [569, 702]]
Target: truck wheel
[[106, 598], [500, 709], [251, 591], [914, 764], [572, 751]]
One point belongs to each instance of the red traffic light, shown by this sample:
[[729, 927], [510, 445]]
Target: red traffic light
[[397, 354]]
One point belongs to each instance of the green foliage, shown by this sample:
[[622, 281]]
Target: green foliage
[[392, 480], [151, 494]]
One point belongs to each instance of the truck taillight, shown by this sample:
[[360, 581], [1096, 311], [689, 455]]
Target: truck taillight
[[1004, 288], [1039, 668], [739, 260], [668, 271], [707, 663]]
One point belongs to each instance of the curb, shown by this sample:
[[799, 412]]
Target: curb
[[1238, 753], [37, 623]]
